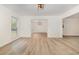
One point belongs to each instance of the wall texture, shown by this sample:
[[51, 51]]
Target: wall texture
[[71, 26], [39, 25], [5, 25], [54, 26]]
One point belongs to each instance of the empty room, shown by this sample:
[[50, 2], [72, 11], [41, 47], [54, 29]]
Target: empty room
[[39, 29]]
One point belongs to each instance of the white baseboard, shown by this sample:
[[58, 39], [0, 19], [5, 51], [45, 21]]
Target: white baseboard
[[9, 41], [72, 35]]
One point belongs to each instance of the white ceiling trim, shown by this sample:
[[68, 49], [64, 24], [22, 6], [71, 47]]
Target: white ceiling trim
[[71, 12]]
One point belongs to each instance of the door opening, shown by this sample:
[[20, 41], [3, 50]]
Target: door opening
[[39, 26]]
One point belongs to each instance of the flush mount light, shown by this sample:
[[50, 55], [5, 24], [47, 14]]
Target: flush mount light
[[40, 6]]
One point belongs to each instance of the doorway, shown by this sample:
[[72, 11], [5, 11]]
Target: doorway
[[39, 27], [71, 26]]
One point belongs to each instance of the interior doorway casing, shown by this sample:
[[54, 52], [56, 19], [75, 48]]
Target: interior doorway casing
[[39, 26]]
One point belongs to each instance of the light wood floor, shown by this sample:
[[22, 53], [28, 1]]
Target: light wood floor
[[39, 44]]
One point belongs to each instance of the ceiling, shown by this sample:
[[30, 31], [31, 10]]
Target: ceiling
[[76, 16], [49, 9]]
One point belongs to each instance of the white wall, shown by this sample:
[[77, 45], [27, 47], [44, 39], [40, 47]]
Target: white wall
[[39, 25], [5, 25], [54, 26], [24, 26], [71, 26]]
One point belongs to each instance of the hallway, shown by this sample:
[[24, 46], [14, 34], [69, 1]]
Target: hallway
[[39, 44]]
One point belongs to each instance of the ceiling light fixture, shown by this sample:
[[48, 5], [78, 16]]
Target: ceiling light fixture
[[40, 6]]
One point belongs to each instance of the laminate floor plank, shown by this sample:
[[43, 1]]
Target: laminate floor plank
[[39, 44]]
